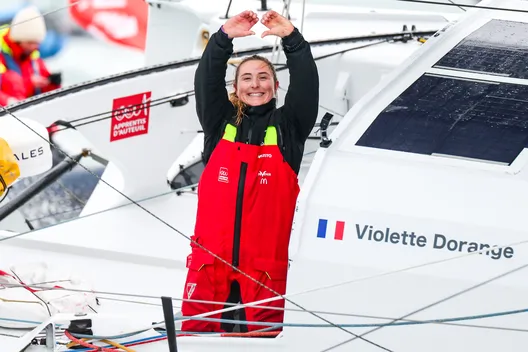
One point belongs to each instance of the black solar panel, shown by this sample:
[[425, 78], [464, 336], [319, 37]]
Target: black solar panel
[[441, 115], [499, 47]]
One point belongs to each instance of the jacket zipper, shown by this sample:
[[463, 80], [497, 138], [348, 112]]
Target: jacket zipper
[[239, 204], [238, 213]]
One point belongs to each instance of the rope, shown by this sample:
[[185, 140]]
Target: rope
[[109, 342], [263, 333], [394, 323], [460, 7], [343, 314], [162, 337], [86, 344]]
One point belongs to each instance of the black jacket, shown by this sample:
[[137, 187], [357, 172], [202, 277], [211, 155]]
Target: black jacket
[[295, 120]]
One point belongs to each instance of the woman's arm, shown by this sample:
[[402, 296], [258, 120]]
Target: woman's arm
[[302, 99], [301, 104], [212, 100]]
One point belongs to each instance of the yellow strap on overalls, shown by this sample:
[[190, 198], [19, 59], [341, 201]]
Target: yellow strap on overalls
[[270, 138]]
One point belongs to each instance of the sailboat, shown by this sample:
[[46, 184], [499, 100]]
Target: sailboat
[[407, 254]]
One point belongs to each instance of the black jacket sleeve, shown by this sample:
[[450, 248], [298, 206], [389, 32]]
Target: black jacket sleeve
[[302, 99], [212, 102]]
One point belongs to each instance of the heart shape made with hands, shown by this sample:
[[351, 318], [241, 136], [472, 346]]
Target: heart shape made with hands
[[241, 24]]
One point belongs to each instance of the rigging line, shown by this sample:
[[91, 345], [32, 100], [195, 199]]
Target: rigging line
[[299, 325], [33, 293], [164, 99], [471, 288], [411, 321], [463, 5], [187, 237], [441, 321], [460, 7], [38, 284], [108, 114], [395, 321], [304, 325], [106, 117], [352, 49]]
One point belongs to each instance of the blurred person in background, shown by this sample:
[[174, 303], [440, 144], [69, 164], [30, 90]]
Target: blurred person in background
[[23, 73]]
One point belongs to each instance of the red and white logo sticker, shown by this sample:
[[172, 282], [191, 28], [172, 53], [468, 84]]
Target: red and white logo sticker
[[223, 175], [130, 116]]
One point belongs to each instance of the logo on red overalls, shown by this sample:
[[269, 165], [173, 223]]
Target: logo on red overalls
[[190, 290], [263, 177], [223, 175], [265, 156]]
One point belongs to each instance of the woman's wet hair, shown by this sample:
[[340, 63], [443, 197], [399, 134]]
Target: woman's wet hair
[[239, 105]]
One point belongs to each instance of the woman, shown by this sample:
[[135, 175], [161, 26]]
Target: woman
[[248, 190]]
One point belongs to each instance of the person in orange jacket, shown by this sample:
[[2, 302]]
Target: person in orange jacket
[[23, 73]]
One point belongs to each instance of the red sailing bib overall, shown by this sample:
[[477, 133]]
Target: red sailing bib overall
[[246, 203]]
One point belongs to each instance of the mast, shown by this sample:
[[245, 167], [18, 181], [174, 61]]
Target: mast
[[263, 5]]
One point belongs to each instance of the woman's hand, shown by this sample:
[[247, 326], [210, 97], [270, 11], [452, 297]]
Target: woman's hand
[[277, 24], [240, 25]]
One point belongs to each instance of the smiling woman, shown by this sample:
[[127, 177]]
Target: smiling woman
[[255, 84], [249, 187]]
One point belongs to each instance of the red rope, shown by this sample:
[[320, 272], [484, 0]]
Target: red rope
[[86, 344]]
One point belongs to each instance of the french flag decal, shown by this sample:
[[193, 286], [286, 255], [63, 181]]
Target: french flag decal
[[339, 229]]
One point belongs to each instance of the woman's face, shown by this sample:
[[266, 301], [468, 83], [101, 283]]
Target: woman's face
[[255, 84]]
